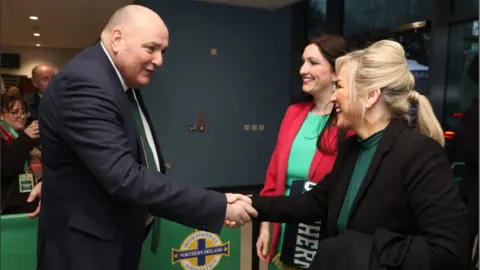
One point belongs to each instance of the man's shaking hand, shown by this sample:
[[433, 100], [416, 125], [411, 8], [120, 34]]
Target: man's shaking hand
[[239, 210]]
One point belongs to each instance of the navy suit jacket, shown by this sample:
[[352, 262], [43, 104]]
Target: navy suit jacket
[[33, 102], [97, 189]]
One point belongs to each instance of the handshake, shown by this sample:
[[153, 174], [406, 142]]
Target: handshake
[[239, 210]]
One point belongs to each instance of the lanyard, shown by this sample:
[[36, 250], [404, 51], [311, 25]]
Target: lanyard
[[15, 135]]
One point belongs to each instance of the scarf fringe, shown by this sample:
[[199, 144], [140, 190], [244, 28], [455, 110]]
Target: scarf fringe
[[281, 265]]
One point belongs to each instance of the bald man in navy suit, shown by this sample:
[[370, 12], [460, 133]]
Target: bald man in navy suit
[[103, 170]]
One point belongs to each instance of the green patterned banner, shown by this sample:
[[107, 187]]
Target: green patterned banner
[[184, 248], [179, 247]]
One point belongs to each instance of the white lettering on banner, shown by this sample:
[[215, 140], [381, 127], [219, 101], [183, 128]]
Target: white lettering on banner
[[312, 231], [306, 255], [312, 244], [308, 185], [307, 242], [201, 251], [307, 238]]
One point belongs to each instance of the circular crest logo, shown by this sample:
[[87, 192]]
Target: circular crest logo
[[201, 251]]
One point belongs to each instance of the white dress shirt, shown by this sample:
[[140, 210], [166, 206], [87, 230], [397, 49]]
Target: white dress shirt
[[146, 126]]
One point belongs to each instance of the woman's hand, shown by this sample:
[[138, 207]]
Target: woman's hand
[[36, 193], [32, 130], [263, 242]]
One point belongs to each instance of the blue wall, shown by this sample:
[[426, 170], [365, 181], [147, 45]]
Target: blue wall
[[248, 82]]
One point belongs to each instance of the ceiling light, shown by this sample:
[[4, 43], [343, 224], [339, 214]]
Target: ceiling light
[[38, 45], [36, 34], [34, 18]]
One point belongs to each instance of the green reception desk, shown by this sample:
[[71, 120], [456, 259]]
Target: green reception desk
[[179, 247], [18, 242]]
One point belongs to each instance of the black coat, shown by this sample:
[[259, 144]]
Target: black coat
[[406, 215]]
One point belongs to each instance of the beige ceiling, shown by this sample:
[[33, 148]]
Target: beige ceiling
[[76, 23], [262, 4], [61, 24]]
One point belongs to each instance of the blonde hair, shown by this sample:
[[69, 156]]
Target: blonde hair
[[383, 66]]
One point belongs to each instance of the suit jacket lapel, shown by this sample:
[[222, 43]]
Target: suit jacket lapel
[[156, 220], [386, 142], [154, 135], [330, 136], [372, 169], [102, 57], [132, 125], [341, 182]]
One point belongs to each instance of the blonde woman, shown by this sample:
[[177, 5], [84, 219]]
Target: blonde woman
[[390, 200]]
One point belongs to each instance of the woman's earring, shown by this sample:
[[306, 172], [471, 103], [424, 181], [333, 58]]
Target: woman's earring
[[334, 86]]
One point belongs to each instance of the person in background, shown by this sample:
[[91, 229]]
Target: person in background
[[465, 146], [14, 91], [20, 158], [42, 74], [305, 152], [390, 201]]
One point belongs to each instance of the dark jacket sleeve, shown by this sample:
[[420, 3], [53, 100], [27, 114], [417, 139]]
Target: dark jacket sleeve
[[442, 242], [308, 207], [93, 127], [14, 156]]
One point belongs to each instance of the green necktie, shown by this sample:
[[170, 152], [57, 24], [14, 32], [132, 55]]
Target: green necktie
[[147, 151]]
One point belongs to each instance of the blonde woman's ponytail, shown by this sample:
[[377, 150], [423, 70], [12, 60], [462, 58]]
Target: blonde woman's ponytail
[[427, 122]]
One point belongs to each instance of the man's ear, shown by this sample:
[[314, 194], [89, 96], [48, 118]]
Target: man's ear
[[372, 98], [116, 38]]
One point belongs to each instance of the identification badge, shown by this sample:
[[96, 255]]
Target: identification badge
[[25, 182]]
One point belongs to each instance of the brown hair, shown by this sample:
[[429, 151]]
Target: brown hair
[[331, 47], [14, 91], [8, 101]]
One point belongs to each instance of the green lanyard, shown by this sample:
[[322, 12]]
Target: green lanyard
[[15, 135]]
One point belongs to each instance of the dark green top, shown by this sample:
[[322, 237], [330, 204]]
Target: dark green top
[[368, 148]]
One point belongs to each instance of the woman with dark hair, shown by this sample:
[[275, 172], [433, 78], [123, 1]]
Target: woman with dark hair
[[20, 156], [305, 152]]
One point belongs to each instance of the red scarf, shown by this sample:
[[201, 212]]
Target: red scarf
[[34, 162]]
